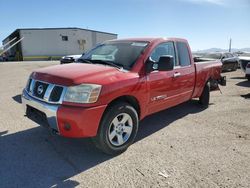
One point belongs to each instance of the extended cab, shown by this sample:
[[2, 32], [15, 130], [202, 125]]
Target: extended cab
[[115, 85]]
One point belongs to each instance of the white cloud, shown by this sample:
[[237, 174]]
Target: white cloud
[[230, 3], [215, 2]]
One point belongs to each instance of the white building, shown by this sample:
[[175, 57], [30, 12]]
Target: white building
[[53, 43]]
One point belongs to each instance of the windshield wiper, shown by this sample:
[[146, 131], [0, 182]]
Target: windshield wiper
[[107, 63], [84, 61]]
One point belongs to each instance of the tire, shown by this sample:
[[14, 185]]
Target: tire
[[118, 129], [205, 96], [235, 67]]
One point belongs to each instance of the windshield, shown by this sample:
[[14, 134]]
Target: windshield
[[121, 53], [212, 55]]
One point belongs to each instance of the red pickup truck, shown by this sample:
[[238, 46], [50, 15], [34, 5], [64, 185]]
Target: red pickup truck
[[116, 84]]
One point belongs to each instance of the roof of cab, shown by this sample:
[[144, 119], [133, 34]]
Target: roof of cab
[[151, 39]]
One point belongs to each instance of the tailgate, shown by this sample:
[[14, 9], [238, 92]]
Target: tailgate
[[204, 71]]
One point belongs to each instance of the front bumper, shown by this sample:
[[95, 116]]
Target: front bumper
[[50, 110], [68, 121]]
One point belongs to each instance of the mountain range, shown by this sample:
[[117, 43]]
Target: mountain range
[[223, 50]]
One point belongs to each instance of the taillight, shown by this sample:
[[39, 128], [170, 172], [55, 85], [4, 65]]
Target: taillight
[[248, 65]]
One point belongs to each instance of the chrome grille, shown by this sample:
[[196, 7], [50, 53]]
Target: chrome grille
[[44, 91], [56, 93], [40, 89]]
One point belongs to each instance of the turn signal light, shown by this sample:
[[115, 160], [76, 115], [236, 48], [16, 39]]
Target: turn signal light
[[67, 126]]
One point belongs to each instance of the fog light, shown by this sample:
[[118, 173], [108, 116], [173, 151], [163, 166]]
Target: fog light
[[67, 126]]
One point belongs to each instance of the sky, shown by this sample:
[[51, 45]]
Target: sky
[[204, 23]]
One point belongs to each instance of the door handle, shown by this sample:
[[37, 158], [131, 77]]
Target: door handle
[[177, 74]]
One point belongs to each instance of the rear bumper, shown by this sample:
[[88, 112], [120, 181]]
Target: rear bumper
[[68, 121]]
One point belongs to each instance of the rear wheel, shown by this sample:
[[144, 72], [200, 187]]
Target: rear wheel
[[118, 129], [205, 96], [235, 66]]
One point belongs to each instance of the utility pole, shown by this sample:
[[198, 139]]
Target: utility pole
[[230, 45]]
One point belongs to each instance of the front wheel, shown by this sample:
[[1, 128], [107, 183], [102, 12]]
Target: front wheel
[[118, 129], [205, 96]]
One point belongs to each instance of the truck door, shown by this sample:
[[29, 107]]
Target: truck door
[[169, 88], [162, 89], [184, 72]]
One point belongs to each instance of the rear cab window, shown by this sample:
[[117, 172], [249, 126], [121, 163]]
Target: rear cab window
[[183, 54]]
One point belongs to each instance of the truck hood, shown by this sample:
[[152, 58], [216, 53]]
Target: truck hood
[[78, 73]]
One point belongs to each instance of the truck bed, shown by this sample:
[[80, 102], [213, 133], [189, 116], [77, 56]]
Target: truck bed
[[206, 70]]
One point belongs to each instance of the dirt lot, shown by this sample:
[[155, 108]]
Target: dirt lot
[[185, 146]]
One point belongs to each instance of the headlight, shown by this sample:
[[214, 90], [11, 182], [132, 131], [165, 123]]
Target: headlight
[[85, 93], [27, 87]]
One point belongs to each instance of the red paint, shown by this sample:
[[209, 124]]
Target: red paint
[[85, 118], [83, 121]]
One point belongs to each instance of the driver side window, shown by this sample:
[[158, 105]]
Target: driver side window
[[166, 48]]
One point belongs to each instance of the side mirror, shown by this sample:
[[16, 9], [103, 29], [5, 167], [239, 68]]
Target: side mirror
[[165, 63]]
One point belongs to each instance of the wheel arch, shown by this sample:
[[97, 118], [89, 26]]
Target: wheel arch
[[133, 101], [198, 91]]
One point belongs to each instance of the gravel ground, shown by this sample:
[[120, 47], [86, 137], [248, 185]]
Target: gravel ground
[[185, 146]]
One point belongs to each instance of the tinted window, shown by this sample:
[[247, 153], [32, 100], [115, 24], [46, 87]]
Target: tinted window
[[183, 54], [225, 55], [65, 38], [229, 55], [163, 49]]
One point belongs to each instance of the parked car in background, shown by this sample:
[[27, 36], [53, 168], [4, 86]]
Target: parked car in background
[[3, 58], [244, 60], [7, 58], [11, 58], [69, 59], [229, 61], [248, 71]]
